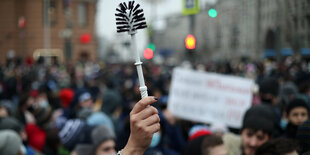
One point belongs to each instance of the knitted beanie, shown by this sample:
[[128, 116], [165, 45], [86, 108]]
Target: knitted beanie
[[10, 142], [197, 131], [259, 117], [72, 132], [296, 103], [10, 123], [101, 134], [66, 96], [100, 118], [84, 97], [269, 85], [83, 149]]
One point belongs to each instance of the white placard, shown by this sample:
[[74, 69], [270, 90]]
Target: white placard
[[209, 97]]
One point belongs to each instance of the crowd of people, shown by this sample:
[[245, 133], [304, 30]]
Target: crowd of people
[[95, 108]]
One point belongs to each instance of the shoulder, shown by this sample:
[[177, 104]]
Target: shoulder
[[233, 143]]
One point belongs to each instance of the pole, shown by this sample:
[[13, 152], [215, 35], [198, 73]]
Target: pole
[[192, 22], [47, 32], [258, 33], [68, 44]]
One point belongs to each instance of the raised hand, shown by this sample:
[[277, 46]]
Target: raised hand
[[144, 122]]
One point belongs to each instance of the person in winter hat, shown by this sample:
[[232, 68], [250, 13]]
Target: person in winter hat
[[194, 146], [257, 128], [81, 106], [197, 131], [66, 96], [10, 123], [213, 145], [297, 112], [103, 141], [6, 108], [269, 95], [286, 92], [10, 143], [100, 118], [268, 90], [72, 133]]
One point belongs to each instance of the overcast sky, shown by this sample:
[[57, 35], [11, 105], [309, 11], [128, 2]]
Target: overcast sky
[[106, 9]]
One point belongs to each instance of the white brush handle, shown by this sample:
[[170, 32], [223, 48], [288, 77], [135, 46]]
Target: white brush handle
[[143, 88]]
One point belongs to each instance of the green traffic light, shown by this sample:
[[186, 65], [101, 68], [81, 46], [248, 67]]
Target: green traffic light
[[212, 13], [151, 46]]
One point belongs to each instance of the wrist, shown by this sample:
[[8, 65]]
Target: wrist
[[130, 149]]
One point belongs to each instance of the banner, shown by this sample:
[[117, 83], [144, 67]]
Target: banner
[[209, 97]]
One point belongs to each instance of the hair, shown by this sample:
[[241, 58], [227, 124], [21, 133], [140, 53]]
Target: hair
[[257, 130], [269, 85], [210, 141], [277, 146], [52, 139]]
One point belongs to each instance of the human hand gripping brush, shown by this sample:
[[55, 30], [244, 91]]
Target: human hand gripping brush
[[144, 119], [129, 18]]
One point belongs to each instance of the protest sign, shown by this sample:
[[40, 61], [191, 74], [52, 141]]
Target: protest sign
[[209, 97]]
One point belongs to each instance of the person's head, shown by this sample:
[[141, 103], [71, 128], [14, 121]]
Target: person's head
[[280, 146], [106, 148], [257, 128], [10, 142], [103, 140], [3, 112], [252, 139], [66, 96], [70, 133], [297, 112], [213, 145], [10, 123], [268, 90], [85, 100], [197, 131], [82, 149], [6, 108], [218, 129]]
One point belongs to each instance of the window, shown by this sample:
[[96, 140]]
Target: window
[[82, 14]]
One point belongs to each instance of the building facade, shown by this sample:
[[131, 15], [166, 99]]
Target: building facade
[[255, 29], [298, 23], [59, 28]]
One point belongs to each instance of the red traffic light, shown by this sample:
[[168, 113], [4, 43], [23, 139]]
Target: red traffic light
[[21, 22], [85, 38], [148, 53], [190, 42]]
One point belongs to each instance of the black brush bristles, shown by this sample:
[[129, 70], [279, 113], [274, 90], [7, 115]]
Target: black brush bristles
[[129, 18]]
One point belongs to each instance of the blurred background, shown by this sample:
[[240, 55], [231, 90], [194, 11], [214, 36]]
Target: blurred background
[[64, 68], [223, 29]]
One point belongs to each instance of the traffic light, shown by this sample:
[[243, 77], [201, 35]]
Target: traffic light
[[148, 53], [151, 46], [190, 42], [212, 13]]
